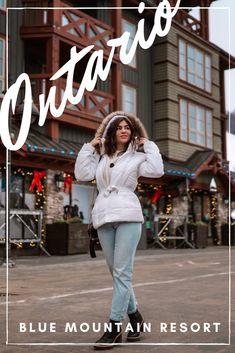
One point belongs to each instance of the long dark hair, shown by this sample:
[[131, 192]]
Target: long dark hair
[[110, 145]]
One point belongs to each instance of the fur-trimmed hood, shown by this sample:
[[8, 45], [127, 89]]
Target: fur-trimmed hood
[[137, 124]]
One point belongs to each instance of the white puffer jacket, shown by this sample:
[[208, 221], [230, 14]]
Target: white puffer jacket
[[117, 201]]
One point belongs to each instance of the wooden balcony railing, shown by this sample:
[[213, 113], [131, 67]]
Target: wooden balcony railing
[[83, 28], [96, 103], [189, 22], [69, 23]]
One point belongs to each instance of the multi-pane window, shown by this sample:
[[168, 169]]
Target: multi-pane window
[[195, 124], [130, 28], [129, 104], [194, 66], [2, 64]]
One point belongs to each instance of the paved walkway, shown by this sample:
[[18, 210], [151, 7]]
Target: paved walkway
[[173, 287]]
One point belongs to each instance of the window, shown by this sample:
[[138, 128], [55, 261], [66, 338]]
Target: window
[[131, 28], [2, 4], [195, 124], [129, 99], [2, 65], [194, 66]]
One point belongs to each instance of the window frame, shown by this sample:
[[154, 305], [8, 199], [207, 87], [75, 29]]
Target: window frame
[[185, 67], [2, 77], [130, 86], [208, 135], [132, 23]]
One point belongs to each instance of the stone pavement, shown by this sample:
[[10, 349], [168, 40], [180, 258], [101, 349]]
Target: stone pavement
[[172, 287]]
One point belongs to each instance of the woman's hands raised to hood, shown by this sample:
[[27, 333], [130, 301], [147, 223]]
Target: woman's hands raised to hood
[[96, 141], [141, 141]]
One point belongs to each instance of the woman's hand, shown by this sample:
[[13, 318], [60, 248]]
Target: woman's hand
[[96, 141], [141, 141]]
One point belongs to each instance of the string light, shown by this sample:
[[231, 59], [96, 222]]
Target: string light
[[46, 149], [40, 201], [192, 174], [179, 172]]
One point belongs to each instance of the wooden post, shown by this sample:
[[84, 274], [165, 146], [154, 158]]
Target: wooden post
[[223, 115], [53, 65], [117, 67], [204, 19]]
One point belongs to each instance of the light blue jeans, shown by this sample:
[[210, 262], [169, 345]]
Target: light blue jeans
[[119, 242]]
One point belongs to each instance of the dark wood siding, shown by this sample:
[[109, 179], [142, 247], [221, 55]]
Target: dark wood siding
[[16, 45], [141, 77], [2, 23], [104, 15], [78, 135]]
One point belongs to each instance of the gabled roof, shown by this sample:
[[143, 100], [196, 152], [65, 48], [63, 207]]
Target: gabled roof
[[198, 162], [40, 151], [198, 158]]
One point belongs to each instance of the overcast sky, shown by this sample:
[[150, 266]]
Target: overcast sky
[[222, 32]]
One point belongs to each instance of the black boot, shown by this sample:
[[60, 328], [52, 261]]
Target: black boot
[[108, 338], [137, 322]]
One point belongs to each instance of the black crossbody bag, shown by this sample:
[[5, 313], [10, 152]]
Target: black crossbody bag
[[92, 232], [93, 239]]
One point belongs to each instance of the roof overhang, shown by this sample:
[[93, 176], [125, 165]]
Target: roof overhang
[[227, 61], [40, 151]]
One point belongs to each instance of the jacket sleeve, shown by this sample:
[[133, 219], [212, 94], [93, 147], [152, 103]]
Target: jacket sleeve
[[86, 163], [152, 167]]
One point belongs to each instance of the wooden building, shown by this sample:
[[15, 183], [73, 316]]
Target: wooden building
[[176, 87]]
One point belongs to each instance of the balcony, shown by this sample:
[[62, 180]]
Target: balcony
[[189, 22], [94, 105], [72, 25]]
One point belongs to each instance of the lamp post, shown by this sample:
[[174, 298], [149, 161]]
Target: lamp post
[[7, 259]]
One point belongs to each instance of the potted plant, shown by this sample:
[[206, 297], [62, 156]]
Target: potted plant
[[225, 234], [67, 237]]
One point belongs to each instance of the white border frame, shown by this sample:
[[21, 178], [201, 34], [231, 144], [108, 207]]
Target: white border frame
[[7, 190]]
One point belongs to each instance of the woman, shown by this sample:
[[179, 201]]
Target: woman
[[116, 157]]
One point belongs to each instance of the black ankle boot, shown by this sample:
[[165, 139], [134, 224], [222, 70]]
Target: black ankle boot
[[137, 322], [108, 338]]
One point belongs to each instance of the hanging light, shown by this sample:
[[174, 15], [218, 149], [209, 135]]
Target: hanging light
[[213, 185]]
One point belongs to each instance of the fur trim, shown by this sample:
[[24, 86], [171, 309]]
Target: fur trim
[[137, 124]]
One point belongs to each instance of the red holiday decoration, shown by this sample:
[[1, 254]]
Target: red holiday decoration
[[68, 183], [156, 196], [37, 176]]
